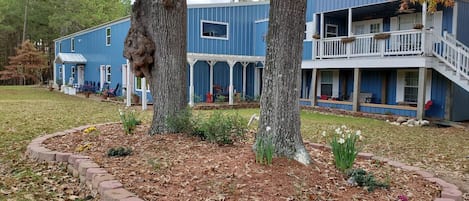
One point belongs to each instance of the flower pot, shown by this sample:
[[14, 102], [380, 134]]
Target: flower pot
[[348, 39], [382, 36]]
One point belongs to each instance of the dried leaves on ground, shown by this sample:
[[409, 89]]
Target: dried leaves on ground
[[181, 167]]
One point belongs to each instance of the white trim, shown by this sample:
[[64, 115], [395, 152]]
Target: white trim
[[89, 30], [212, 5], [108, 36], [61, 72], [371, 62], [454, 30], [136, 87], [73, 72], [224, 57], [102, 76], [367, 24], [261, 21], [309, 31], [72, 44], [108, 73], [217, 23]]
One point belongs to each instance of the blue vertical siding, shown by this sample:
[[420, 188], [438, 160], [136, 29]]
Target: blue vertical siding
[[462, 29], [447, 20], [391, 88], [201, 80], [241, 23], [460, 111], [260, 34], [250, 80], [438, 96], [371, 82], [307, 50], [330, 5]]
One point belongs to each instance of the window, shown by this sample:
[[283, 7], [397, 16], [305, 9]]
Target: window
[[214, 30], [60, 72], [375, 28], [73, 72], [326, 83], [332, 30], [108, 36], [60, 46], [72, 44], [108, 74], [138, 84], [411, 83]]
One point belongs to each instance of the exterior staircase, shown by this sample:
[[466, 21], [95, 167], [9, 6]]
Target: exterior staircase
[[452, 59]]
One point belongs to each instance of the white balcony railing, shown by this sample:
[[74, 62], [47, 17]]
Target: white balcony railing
[[453, 53], [400, 43]]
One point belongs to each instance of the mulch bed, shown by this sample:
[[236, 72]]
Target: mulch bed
[[181, 167]]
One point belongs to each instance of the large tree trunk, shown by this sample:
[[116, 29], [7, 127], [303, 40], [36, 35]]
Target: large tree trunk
[[280, 112], [156, 48]]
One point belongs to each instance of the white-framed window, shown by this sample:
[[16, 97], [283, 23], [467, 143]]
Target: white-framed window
[[214, 30], [108, 74], [308, 36], [326, 83], [108, 36], [411, 86], [60, 46], [72, 44], [73, 72], [375, 28], [407, 85], [138, 84], [332, 30]]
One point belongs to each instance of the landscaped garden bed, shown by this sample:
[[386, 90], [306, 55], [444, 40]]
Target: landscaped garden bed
[[182, 167]]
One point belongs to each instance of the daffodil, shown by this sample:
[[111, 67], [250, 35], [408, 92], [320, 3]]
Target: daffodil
[[341, 141]]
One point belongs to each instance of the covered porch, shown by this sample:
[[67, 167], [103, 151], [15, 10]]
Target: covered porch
[[378, 30]]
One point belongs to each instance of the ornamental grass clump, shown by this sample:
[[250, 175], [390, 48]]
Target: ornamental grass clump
[[129, 121], [264, 151], [343, 144]]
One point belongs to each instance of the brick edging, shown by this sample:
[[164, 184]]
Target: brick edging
[[97, 179], [450, 191]]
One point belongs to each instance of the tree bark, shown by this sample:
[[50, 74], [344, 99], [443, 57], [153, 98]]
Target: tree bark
[[156, 49], [280, 112]]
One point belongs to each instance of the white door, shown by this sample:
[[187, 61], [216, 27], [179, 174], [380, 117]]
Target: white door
[[365, 46], [81, 74]]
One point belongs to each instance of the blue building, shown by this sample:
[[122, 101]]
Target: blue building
[[360, 55]]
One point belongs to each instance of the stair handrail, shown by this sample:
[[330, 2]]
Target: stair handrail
[[452, 39], [453, 53]]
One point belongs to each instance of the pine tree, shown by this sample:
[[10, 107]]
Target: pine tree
[[27, 64]]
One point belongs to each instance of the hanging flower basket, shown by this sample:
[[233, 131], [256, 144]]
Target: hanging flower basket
[[382, 36], [316, 36], [418, 26], [348, 39]]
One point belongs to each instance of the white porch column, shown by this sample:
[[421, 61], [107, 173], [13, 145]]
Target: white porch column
[[129, 89], [191, 62], [424, 23], [63, 75], [421, 93], [55, 75], [231, 63], [144, 93], [315, 30], [245, 65], [312, 94], [454, 31], [356, 89], [349, 45], [211, 65], [321, 42]]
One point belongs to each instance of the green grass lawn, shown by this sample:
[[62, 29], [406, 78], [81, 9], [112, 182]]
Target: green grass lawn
[[28, 112]]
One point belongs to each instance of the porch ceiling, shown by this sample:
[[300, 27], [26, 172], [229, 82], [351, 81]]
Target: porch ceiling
[[70, 58], [373, 11]]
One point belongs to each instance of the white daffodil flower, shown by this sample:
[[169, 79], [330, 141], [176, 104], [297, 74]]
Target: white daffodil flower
[[323, 133], [341, 141]]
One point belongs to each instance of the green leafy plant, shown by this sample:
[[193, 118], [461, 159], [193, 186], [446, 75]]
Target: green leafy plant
[[343, 144], [181, 122], [223, 129], [197, 98], [119, 151], [129, 121], [264, 151], [361, 178], [220, 98]]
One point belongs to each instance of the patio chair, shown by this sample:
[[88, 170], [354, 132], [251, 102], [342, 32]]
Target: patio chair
[[110, 92]]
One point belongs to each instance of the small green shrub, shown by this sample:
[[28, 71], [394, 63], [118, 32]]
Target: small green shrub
[[129, 121], [220, 98], [119, 152], [264, 151], [181, 122], [361, 178], [197, 99], [222, 129]]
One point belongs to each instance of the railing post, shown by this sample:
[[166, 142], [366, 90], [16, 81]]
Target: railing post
[[348, 50], [458, 60], [383, 47]]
